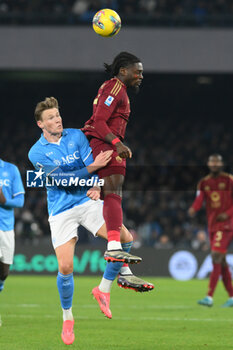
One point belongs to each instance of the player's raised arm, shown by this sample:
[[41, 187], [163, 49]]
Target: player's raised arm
[[86, 155], [39, 161]]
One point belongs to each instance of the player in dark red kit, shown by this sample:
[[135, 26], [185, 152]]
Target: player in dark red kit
[[106, 131], [216, 189]]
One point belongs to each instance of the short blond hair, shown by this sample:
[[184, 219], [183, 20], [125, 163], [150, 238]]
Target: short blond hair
[[48, 103]]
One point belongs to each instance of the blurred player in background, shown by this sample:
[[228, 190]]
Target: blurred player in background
[[106, 131], [11, 196], [216, 189], [59, 153]]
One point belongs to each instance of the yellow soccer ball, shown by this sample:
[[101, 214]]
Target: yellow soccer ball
[[106, 22]]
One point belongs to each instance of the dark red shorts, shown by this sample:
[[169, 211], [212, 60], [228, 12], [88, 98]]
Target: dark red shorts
[[220, 240], [116, 165]]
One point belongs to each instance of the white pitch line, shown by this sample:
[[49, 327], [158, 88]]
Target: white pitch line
[[174, 307], [125, 318], [92, 306], [28, 305], [20, 305]]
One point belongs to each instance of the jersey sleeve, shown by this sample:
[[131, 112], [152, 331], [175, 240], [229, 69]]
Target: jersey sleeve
[[15, 202], [107, 102], [84, 149], [16, 198], [17, 183], [40, 161], [200, 196]]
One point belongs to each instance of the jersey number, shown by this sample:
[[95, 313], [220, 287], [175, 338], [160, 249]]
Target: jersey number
[[218, 236]]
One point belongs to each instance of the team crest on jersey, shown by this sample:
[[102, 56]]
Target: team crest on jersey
[[109, 101], [71, 144], [222, 185], [5, 173], [207, 188], [215, 196]]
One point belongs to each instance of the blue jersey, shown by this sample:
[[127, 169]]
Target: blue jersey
[[13, 191], [68, 156]]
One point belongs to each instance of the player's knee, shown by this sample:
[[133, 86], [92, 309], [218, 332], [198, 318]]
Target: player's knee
[[217, 257], [117, 192], [4, 271], [224, 262], [113, 185], [66, 267], [4, 275]]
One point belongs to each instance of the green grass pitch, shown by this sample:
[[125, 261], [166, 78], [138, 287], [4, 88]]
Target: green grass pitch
[[166, 318]]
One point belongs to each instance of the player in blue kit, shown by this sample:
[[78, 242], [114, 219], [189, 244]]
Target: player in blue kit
[[61, 154], [11, 196]]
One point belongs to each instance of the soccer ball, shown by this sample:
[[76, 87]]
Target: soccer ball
[[106, 22]]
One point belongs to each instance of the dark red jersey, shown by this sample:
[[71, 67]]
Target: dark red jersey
[[217, 192], [111, 110]]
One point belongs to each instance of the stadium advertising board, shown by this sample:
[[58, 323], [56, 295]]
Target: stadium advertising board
[[179, 264]]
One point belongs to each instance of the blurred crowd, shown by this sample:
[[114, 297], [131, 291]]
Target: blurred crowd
[[76, 11], [155, 204]]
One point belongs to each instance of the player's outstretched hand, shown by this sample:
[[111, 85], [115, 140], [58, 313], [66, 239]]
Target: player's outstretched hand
[[222, 217], [191, 212], [94, 193], [103, 159], [123, 151]]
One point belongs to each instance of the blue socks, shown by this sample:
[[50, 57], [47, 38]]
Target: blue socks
[[112, 269], [1, 285], [65, 285]]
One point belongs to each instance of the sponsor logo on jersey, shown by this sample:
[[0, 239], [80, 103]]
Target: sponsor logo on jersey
[[70, 158], [109, 101]]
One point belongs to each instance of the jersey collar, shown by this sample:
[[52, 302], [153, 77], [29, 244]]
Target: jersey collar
[[43, 140]]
